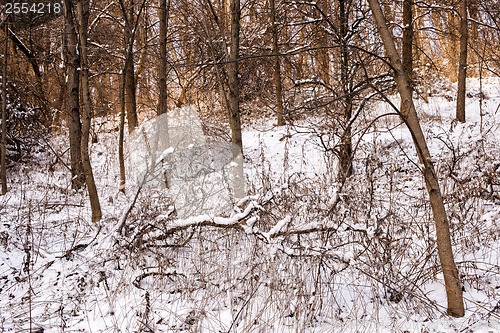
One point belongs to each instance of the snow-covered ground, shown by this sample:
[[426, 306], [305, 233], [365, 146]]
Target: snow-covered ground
[[300, 253]]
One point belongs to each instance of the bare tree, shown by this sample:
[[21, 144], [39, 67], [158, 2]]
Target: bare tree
[[162, 69], [127, 94], [345, 150], [83, 19], [407, 52], [3, 148], [409, 116], [462, 63], [131, 23], [277, 65], [234, 82], [121, 133], [72, 65], [129, 71]]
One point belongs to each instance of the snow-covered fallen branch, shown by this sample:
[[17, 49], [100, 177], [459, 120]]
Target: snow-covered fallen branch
[[205, 221]]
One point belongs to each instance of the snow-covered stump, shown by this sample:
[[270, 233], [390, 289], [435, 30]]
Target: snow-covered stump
[[172, 151]]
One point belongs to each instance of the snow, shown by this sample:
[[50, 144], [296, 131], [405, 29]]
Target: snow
[[299, 253], [277, 228]]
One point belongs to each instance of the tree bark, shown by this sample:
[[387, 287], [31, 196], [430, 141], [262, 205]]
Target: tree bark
[[3, 148], [72, 65], [277, 67], [409, 116], [345, 151], [130, 91], [141, 39], [462, 63], [234, 83], [162, 74], [83, 18], [121, 135], [130, 84], [407, 53]]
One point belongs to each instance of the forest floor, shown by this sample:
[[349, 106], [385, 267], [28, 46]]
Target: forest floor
[[300, 253]]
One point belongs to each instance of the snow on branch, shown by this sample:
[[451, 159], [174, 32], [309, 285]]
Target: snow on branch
[[206, 221]]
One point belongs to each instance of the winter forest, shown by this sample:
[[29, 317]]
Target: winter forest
[[250, 166]]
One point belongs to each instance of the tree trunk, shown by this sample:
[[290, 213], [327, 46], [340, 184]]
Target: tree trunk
[[462, 63], [121, 135], [409, 116], [162, 74], [301, 59], [130, 91], [3, 148], [130, 84], [407, 54], [345, 151], [142, 61], [277, 66], [474, 16], [72, 65], [474, 13], [234, 84], [83, 18]]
